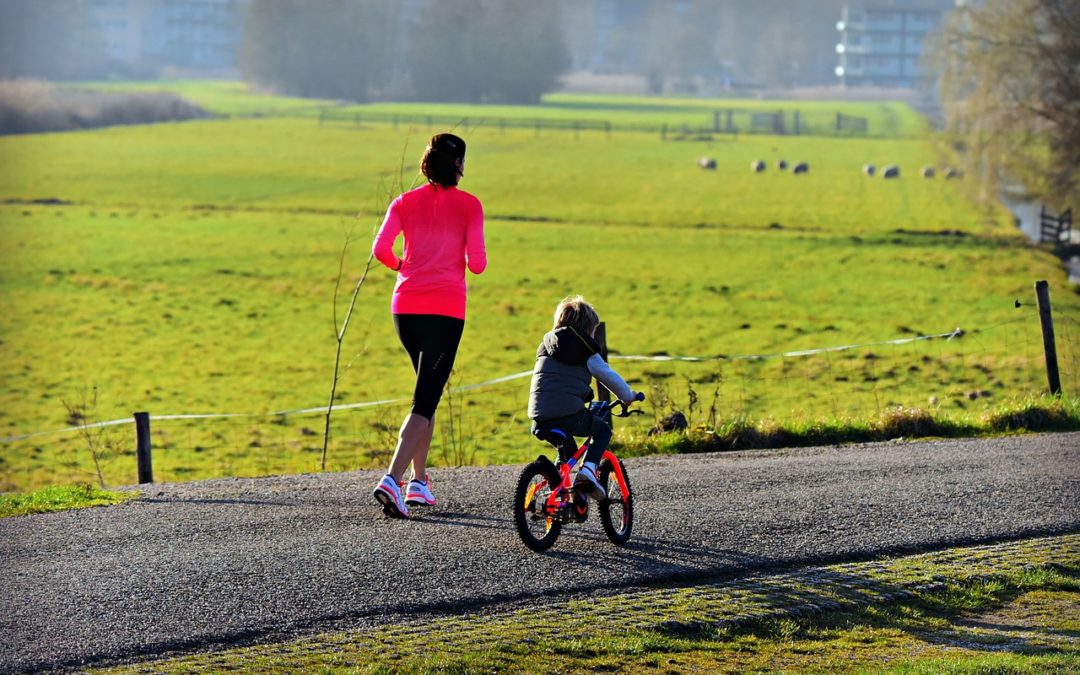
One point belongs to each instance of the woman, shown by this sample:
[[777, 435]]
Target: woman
[[444, 232]]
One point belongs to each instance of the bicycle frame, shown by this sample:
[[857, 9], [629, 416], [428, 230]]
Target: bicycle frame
[[561, 496]]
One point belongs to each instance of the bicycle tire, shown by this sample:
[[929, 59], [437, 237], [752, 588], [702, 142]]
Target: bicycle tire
[[538, 534], [617, 511]]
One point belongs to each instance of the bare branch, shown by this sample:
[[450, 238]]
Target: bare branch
[[389, 195]]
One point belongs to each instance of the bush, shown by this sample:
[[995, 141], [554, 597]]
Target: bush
[[32, 106]]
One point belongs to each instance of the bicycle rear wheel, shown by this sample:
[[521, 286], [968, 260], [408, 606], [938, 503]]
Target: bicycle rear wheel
[[617, 511], [537, 529]]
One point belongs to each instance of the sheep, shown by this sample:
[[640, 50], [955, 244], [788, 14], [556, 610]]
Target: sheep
[[952, 172], [928, 172], [891, 171], [757, 165], [801, 167], [781, 164], [706, 163], [869, 169]]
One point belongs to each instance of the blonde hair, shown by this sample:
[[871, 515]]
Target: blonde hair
[[576, 313]]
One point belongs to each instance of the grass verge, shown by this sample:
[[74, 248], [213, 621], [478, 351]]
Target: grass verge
[[59, 498], [1037, 414], [1008, 608]]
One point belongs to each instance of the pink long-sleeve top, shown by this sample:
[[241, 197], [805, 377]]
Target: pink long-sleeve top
[[444, 233]]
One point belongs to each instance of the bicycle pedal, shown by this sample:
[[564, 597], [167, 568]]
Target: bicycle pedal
[[581, 511]]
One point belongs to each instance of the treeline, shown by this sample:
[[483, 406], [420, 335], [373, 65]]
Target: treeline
[[454, 50], [512, 51], [478, 51]]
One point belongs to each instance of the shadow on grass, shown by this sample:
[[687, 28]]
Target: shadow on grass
[[854, 602]]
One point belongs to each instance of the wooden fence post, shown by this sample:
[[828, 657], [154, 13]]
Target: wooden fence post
[[142, 447], [602, 392], [1042, 295]]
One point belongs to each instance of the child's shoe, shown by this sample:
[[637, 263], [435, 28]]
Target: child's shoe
[[388, 493], [588, 483], [419, 493]]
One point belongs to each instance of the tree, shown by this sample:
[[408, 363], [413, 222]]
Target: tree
[[679, 47], [487, 51], [443, 54], [335, 49], [1010, 90]]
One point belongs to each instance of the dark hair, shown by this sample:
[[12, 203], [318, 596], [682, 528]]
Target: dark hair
[[439, 163]]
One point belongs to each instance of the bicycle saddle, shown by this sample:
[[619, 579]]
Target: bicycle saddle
[[556, 437], [562, 441]]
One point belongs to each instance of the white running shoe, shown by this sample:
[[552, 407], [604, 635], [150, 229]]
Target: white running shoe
[[587, 482], [388, 493], [419, 493]]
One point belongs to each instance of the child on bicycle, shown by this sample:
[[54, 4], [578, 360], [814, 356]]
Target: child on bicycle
[[566, 361]]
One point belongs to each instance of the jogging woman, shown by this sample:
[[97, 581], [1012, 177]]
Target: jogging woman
[[444, 232]]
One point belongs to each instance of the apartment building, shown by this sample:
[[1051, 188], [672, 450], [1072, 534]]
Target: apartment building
[[882, 41], [147, 35]]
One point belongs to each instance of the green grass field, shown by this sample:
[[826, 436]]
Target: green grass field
[[190, 268]]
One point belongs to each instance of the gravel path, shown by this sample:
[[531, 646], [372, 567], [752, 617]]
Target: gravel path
[[193, 565]]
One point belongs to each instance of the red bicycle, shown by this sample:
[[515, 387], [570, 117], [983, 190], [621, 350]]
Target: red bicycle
[[545, 498]]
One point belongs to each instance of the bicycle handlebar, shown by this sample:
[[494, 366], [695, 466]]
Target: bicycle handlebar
[[626, 412]]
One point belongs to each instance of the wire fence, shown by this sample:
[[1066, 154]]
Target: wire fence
[[962, 373], [537, 124], [726, 121]]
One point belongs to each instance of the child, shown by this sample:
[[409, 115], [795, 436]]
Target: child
[[566, 362]]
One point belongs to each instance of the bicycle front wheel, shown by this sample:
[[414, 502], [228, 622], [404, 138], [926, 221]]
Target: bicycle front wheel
[[537, 529], [617, 511]]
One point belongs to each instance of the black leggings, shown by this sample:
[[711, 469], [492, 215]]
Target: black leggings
[[432, 342]]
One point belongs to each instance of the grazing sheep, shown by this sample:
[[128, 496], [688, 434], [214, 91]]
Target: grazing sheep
[[928, 172], [781, 164], [801, 167], [707, 163], [869, 169], [952, 172], [891, 171], [757, 165]]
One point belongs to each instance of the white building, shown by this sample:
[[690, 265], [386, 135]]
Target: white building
[[147, 35], [881, 41]]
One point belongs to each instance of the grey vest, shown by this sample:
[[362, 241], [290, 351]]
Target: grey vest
[[561, 382]]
